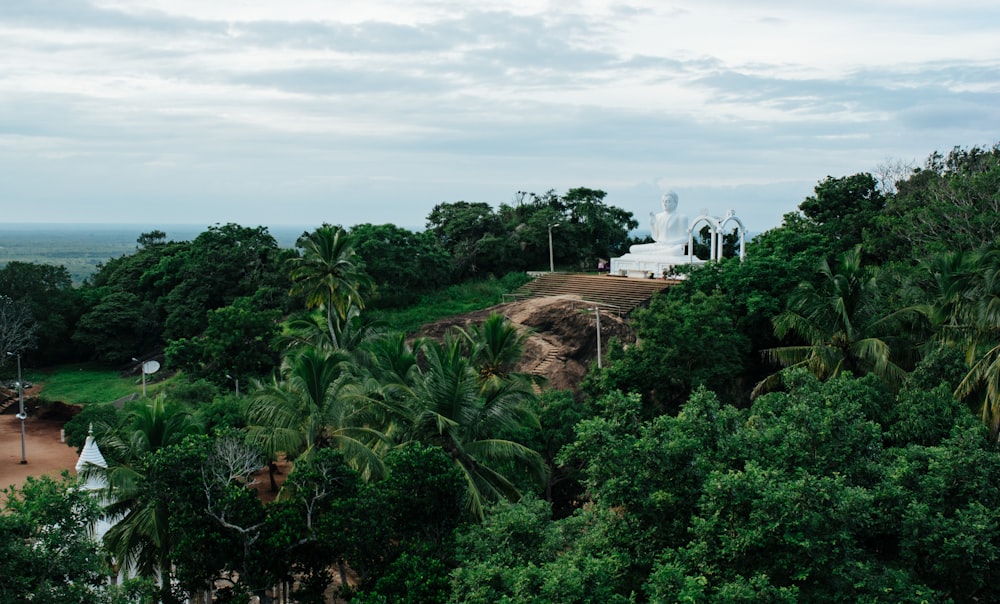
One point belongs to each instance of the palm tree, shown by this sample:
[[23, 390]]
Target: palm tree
[[844, 324], [965, 311], [329, 276], [954, 288], [391, 360], [315, 404], [139, 537], [451, 407], [352, 334], [983, 382], [495, 346]]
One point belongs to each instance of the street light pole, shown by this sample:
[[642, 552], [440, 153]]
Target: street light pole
[[20, 397], [552, 266], [237, 381], [142, 368]]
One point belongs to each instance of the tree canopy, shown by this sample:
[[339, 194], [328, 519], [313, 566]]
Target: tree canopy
[[516, 237], [433, 468]]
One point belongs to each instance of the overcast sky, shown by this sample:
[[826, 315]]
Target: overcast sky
[[267, 112]]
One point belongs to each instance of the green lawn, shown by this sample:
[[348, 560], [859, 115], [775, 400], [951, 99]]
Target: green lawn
[[78, 384], [455, 300]]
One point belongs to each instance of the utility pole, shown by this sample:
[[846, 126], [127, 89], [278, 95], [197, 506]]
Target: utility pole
[[20, 397], [236, 381], [142, 368], [552, 265]]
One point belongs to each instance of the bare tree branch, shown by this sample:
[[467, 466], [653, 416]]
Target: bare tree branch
[[892, 171], [17, 326], [233, 460]]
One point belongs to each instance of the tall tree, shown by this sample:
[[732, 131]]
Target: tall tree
[[845, 323], [601, 230], [949, 204], [164, 290], [216, 519], [405, 552], [401, 263], [474, 237], [315, 405], [516, 237], [495, 346], [117, 325], [312, 526], [17, 327], [843, 208], [588, 228], [55, 305], [683, 342], [963, 289], [221, 264], [329, 275], [452, 408], [239, 340]]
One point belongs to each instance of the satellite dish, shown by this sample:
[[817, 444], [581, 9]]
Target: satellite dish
[[150, 367]]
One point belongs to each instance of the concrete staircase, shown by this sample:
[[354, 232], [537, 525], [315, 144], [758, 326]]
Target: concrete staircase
[[620, 294], [7, 399], [544, 367]]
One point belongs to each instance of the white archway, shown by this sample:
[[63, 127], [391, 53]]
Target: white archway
[[731, 215], [716, 238]]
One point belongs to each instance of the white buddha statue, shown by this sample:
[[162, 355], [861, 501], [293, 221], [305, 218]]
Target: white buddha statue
[[668, 250], [669, 231]]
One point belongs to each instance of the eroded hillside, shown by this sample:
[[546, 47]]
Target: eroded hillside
[[563, 339]]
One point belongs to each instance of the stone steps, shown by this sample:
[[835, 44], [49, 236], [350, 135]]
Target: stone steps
[[7, 402], [542, 368], [622, 294]]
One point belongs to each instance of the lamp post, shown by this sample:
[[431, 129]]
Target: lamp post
[[20, 398], [552, 266], [236, 381], [142, 368]]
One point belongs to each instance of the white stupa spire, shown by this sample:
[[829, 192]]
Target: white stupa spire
[[91, 455]]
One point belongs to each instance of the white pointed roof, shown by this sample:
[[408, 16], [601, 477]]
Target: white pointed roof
[[91, 454]]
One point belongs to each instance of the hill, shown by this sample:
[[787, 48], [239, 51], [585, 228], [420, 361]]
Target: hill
[[563, 341]]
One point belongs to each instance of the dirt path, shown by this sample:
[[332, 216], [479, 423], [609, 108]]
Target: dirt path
[[562, 343], [43, 450]]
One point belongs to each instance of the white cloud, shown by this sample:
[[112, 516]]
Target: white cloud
[[307, 111]]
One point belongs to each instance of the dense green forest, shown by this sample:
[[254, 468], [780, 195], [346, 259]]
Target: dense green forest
[[818, 423]]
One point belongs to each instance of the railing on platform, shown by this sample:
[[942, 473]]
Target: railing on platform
[[513, 297], [592, 303]]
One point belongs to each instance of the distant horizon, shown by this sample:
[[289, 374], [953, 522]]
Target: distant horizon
[[285, 234], [161, 226], [82, 247]]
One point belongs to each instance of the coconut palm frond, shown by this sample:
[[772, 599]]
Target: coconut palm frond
[[843, 324]]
